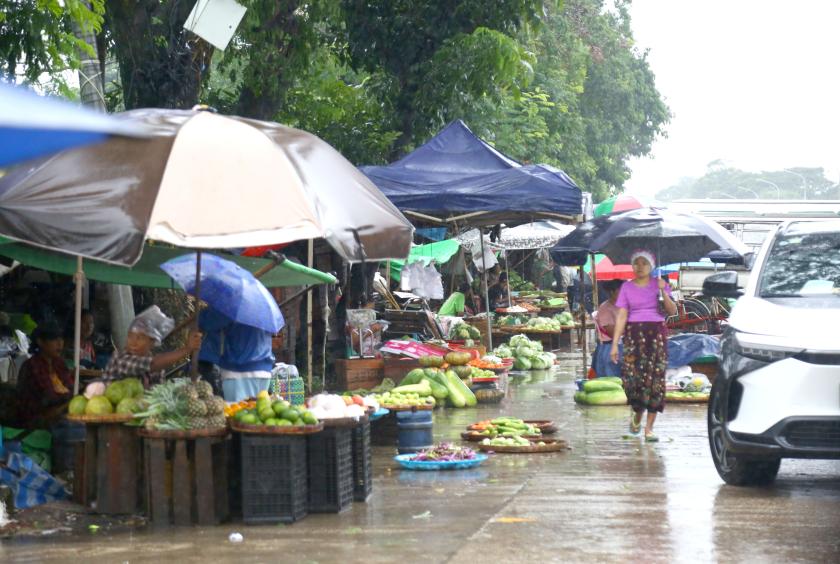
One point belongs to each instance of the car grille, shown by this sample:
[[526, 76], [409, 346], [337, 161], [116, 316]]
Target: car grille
[[813, 434]]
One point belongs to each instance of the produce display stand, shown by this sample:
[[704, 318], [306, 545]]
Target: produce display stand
[[551, 445], [329, 458], [694, 400], [362, 464], [273, 471], [551, 340], [186, 478], [108, 464], [546, 427]]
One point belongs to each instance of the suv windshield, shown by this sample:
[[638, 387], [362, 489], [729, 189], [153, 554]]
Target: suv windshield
[[804, 261]]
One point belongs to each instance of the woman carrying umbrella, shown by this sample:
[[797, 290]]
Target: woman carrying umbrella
[[642, 323]]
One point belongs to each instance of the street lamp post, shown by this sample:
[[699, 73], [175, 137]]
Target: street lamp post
[[748, 190], [804, 182], [778, 191]]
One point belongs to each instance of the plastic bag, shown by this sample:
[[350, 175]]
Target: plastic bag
[[30, 484], [153, 323]]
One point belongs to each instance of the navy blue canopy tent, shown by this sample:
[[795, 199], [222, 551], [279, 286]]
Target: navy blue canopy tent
[[457, 176]]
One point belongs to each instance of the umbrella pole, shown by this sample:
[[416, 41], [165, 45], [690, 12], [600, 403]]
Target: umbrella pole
[[583, 346], [77, 322], [507, 282], [486, 291], [596, 301], [310, 258], [197, 291]]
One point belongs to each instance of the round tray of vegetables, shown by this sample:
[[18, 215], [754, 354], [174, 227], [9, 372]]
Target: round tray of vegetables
[[444, 456]]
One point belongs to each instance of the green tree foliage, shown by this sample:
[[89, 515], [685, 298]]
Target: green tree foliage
[[592, 104], [412, 41], [37, 39], [545, 81], [723, 182]]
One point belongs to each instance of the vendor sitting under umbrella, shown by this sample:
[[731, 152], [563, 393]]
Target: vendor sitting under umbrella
[[146, 332], [605, 322], [458, 303], [45, 383]]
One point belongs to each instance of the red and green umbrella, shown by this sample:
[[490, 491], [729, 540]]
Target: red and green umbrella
[[622, 202], [604, 267], [606, 270]]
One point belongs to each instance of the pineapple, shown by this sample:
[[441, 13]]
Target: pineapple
[[151, 422], [196, 407], [215, 406], [190, 392], [217, 421], [205, 390]]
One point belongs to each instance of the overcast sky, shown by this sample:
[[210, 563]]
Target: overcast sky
[[752, 82]]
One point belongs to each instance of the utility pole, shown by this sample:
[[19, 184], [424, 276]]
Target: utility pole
[[92, 91]]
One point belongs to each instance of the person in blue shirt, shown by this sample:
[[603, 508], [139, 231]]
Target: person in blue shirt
[[242, 353]]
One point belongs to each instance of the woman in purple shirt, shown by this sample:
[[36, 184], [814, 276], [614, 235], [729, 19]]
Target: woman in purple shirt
[[645, 341]]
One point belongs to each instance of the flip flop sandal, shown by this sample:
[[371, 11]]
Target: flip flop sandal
[[651, 438], [635, 426]]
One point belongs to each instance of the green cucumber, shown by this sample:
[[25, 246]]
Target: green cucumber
[[466, 393], [456, 397], [439, 391], [413, 377]]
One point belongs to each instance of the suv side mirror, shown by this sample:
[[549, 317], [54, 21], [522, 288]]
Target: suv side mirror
[[722, 285]]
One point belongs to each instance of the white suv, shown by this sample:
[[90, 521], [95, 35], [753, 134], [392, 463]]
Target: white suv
[[777, 393]]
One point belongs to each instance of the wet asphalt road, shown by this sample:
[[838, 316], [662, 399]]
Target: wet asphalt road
[[608, 499]]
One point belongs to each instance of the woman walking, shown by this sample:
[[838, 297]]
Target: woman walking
[[643, 303]]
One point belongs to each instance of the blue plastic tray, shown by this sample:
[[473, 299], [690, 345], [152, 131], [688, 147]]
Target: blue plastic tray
[[379, 413], [403, 459]]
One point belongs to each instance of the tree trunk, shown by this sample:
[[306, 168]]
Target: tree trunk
[[92, 89], [161, 64]]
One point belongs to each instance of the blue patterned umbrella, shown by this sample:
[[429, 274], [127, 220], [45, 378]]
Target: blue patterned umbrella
[[229, 289]]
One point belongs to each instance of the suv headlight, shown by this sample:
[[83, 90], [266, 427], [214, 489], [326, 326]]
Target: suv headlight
[[764, 347]]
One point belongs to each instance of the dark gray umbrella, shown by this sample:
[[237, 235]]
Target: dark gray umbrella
[[671, 236]]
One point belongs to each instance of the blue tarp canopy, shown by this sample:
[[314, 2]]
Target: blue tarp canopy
[[456, 174]]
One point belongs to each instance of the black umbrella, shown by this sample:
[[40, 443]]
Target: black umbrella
[[672, 236]]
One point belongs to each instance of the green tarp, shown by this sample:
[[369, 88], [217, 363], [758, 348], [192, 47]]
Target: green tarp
[[440, 252], [147, 272]]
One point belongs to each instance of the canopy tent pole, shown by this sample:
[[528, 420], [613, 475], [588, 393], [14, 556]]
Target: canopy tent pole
[[77, 322], [486, 291], [310, 258], [197, 291], [507, 269], [583, 347]]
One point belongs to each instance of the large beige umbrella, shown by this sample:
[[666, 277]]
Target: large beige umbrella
[[200, 180]]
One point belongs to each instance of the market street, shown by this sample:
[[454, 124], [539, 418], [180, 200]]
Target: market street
[[608, 499]]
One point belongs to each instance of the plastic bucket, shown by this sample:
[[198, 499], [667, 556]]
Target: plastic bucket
[[414, 431]]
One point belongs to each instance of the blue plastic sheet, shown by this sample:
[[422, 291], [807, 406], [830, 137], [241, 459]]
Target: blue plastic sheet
[[31, 485], [684, 349]]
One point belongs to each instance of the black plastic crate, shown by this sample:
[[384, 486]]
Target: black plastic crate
[[274, 486], [330, 459], [362, 471]]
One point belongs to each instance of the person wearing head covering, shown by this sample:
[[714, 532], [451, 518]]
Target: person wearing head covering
[[642, 304], [44, 382], [147, 331], [605, 318]]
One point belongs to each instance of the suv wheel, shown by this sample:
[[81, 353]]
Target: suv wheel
[[735, 471]]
